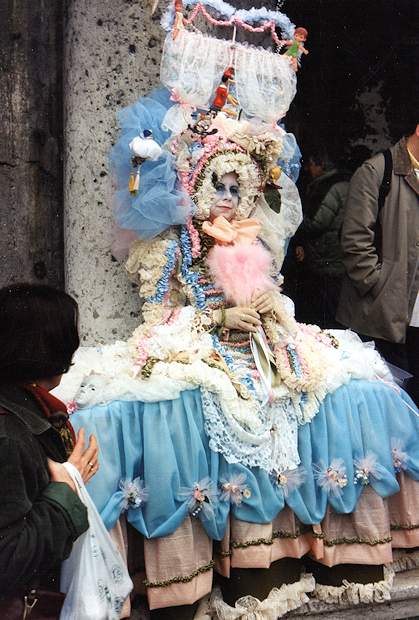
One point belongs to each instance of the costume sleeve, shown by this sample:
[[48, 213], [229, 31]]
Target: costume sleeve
[[153, 265], [34, 536], [361, 211], [325, 214]]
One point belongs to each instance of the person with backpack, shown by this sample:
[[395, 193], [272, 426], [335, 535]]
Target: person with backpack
[[380, 242]]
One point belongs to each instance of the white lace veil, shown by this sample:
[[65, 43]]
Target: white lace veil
[[278, 228], [193, 63]]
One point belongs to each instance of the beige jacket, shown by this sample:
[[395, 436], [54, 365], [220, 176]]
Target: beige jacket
[[378, 292]]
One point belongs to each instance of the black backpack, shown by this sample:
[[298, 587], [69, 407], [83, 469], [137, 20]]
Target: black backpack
[[382, 195], [386, 182]]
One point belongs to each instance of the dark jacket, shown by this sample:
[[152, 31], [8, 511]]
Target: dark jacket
[[321, 227], [39, 519], [380, 289]]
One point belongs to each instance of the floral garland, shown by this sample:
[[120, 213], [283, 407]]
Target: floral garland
[[242, 18], [190, 277], [332, 479], [195, 239], [163, 284], [399, 455], [244, 379], [300, 365]]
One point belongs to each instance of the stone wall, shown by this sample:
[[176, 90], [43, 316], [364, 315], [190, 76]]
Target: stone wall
[[31, 243], [112, 57]]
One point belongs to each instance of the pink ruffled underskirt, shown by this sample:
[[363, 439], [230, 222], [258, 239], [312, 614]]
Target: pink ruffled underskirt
[[367, 536]]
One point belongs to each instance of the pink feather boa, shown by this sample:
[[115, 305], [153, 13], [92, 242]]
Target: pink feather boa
[[240, 271]]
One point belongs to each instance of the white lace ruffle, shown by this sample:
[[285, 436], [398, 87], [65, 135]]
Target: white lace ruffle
[[277, 228], [273, 448], [279, 602], [102, 374], [193, 65], [404, 560], [354, 359], [265, 82], [356, 593]]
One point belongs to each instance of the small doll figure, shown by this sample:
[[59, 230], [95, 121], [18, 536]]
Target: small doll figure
[[231, 107], [222, 93], [142, 148], [296, 47], [202, 125], [178, 25]]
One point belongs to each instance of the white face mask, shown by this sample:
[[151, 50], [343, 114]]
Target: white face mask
[[227, 197]]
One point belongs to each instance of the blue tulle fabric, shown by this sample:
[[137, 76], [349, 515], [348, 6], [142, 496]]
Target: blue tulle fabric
[[290, 161], [159, 203], [164, 443]]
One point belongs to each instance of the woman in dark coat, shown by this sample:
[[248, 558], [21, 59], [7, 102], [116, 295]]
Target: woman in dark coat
[[40, 513]]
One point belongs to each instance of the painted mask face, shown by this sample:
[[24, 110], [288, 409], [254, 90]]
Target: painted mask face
[[227, 197]]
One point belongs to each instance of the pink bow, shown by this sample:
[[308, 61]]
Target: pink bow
[[240, 232], [174, 96]]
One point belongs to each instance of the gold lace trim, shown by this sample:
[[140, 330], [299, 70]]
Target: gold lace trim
[[328, 542], [180, 578], [404, 526], [236, 544], [223, 554], [356, 540]]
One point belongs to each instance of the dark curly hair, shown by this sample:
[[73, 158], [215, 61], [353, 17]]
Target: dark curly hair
[[38, 332]]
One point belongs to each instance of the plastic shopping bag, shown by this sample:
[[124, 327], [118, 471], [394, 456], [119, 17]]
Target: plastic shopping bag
[[95, 576]]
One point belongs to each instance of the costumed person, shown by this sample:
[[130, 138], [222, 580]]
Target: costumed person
[[222, 419]]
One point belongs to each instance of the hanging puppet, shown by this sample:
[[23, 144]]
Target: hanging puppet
[[296, 47]]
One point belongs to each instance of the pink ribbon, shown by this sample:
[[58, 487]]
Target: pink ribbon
[[174, 96], [242, 232]]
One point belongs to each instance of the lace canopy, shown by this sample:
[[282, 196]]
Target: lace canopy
[[193, 64]]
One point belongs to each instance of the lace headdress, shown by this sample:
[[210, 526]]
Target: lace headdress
[[219, 112]]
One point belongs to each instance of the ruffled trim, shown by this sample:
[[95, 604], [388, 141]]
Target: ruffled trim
[[277, 534], [397, 527], [180, 578], [279, 602], [402, 560], [356, 593], [353, 540]]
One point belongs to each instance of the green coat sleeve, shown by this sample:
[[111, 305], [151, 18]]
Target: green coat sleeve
[[35, 536], [326, 213]]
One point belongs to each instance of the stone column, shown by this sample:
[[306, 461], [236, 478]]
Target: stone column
[[31, 236], [112, 57]]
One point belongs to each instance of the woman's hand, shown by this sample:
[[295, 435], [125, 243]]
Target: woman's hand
[[58, 473], [263, 302], [84, 459], [245, 319]]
